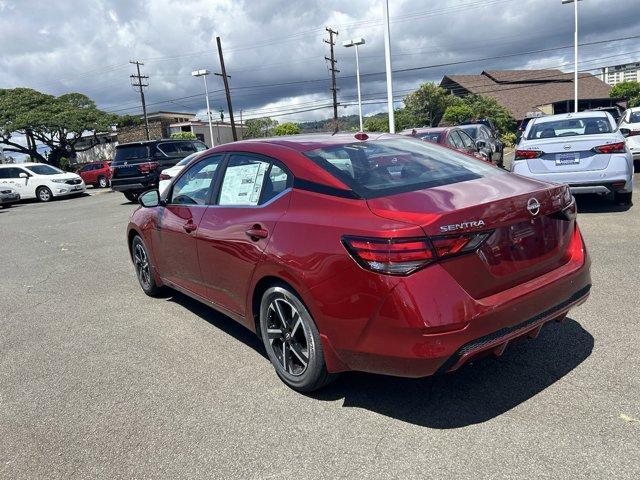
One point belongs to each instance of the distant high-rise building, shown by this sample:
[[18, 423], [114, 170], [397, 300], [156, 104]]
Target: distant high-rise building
[[629, 72]]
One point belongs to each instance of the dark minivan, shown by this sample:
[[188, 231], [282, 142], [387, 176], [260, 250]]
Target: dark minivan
[[137, 165]]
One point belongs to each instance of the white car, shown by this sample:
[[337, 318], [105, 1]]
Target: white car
[[41, 181], [630, 127], [167, 174], [584, 150]]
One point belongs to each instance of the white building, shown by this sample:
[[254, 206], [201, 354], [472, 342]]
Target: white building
[[629, 72]]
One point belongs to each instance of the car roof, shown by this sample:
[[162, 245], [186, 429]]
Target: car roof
[[161, 140], [307, 142], [570, 116], [23, 164]]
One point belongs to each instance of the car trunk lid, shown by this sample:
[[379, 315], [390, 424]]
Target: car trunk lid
[[522, 244]]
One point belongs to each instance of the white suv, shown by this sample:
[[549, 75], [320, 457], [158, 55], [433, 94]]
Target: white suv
[[630, 127], [41, 181], [584, 150]]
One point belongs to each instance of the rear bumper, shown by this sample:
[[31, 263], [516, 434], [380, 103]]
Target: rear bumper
[[620, 169], [428, 324]]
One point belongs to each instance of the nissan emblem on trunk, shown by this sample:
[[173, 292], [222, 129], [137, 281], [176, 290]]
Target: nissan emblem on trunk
[[533, 206]]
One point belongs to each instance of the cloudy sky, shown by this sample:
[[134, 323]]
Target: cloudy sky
[[274, 49]]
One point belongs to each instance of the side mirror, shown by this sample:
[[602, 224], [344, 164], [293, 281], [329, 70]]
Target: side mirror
[[150, 199], [624, 131], [481, 143], [23, 175]]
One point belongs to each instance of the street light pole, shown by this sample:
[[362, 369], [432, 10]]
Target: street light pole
[[575, 52], [387, 61], [203, 74], [354, 43]]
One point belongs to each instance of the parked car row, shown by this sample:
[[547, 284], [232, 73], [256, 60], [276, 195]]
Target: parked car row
[[476, 139], [386, 254]]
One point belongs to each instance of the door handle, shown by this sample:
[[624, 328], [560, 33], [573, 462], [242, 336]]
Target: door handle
[[256, 232], [189, 226]]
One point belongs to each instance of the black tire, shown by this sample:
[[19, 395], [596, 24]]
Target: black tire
[[132, 197], [44, 194], [622, 198], [143, 267], [102, 182], [290, 337]]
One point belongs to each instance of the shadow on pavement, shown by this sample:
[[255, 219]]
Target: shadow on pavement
[[476, 393], [219, 320], [594, 203]]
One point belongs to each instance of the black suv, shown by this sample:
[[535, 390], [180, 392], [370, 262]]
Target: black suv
[[137, 166]]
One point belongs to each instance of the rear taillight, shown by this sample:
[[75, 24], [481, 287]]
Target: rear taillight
[[610, 148], [164, 176], [402, 256], [449, 245], [148, 167], [528, 154]]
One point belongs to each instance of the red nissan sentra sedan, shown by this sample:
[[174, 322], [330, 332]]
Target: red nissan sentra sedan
[[385, 254]]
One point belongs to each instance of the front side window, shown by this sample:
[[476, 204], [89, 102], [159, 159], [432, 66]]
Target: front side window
[[193, 187], [466, 140], [454, 140], [10, 172], [410, 165], [43, 169], [570, 127]]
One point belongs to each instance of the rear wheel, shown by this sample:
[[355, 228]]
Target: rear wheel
[[292, 340], [44, 194], [144, 270], [102, 182], [622, 198], [132, 197]]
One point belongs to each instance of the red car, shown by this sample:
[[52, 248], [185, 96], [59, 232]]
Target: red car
[[452, 137], [388, 255], [97, 174]]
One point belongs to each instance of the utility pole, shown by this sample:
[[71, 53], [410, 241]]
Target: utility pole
[[387, 60], [225, 78], [334, 70], [139, 81], [575, 52]]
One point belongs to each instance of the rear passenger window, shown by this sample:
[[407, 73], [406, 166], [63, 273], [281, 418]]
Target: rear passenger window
[[249, 181]]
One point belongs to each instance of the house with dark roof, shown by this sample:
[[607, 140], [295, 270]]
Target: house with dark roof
[[523, 92]]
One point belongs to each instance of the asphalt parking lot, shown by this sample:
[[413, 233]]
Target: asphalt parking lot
[[99, 381]]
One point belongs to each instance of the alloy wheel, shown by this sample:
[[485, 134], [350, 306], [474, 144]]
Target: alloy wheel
[[288, 337], [141, 263], [44, 195], [102, 182]]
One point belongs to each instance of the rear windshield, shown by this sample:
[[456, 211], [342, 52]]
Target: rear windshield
[[131, 154], [430, 136], [570, 127], [409, 165], [43, 169]]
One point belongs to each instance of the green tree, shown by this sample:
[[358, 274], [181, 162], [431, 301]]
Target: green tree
[[183, 136], [629, 91], [287, 128], [456, 114], [259, 127], [376, 124], [55, 122], [426, 105], [479, 106]]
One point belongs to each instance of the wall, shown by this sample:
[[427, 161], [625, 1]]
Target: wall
[[103, 151]]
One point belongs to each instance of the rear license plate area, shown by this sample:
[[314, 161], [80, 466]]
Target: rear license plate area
[[567, 158]]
